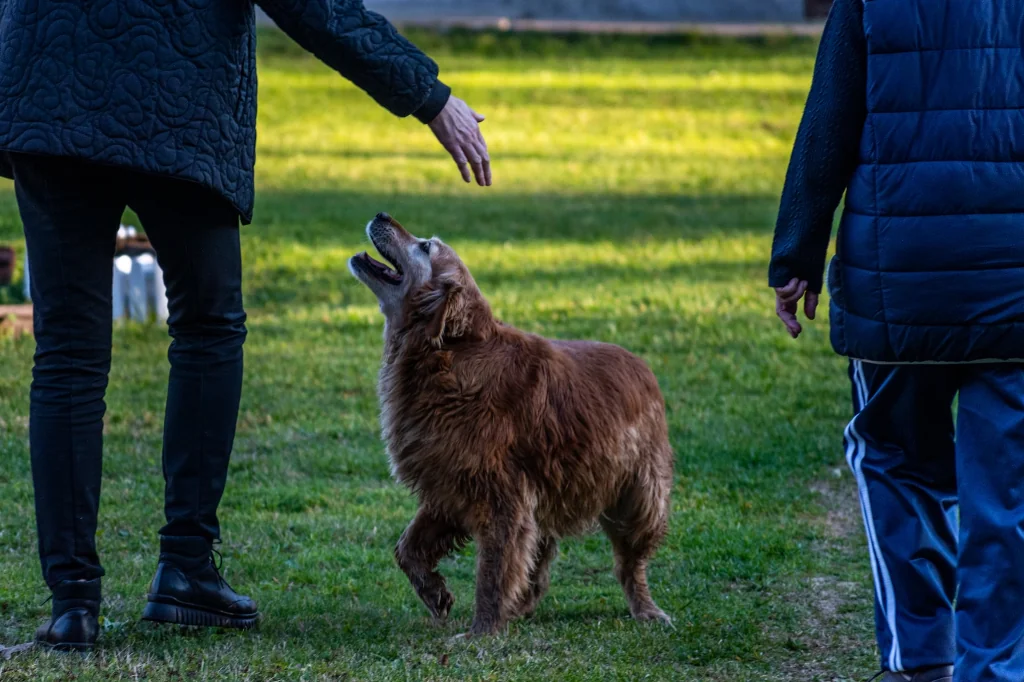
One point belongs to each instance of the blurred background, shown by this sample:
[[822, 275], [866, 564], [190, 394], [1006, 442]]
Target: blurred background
[[639, 148]]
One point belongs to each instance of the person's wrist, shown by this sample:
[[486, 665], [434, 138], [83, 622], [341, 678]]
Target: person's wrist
[[434, 104]]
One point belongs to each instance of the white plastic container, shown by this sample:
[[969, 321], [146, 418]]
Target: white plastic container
[[138, 289], [122, 273], [28, 288], [137, 286], [160, 293]]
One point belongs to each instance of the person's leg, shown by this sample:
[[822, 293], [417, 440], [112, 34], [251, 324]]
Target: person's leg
[[70, 211], [196, 237], [990, 454], [900, 448]]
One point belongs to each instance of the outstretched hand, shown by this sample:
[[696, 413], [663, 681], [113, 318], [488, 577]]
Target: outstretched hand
[[787, 302], [457, 128]]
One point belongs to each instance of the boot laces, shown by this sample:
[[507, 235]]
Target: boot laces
[[217, 561], [216, 558]]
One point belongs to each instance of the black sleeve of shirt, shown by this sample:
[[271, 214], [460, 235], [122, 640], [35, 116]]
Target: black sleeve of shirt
[[826, 151]]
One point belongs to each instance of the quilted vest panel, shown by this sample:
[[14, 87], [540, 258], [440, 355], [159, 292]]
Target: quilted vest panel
[[930, 252]]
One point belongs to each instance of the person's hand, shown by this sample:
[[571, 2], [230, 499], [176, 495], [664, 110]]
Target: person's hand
[[787, 302], [457, 128]]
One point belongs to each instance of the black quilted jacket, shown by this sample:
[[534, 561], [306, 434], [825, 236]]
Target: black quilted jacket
[[169, 86]]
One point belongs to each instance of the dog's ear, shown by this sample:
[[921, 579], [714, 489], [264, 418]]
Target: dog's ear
[[440, 305]]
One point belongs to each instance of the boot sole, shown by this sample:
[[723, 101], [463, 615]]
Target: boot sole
[[187, 615], [67, 647]]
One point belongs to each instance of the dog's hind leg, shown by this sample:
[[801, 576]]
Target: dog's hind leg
[[636, 526], [426, 541], [540, 577], [506, 551]]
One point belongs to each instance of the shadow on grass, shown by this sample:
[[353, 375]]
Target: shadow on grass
[[324, 216], [579, 96], [331, 286], [559, 155], [329, 219], [633, 273]]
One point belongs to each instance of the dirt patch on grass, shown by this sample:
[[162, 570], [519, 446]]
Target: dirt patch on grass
[[842, 507], [15, 320], [832, 640]]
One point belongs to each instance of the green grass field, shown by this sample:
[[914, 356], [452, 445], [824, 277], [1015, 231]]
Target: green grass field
[[634, 196]]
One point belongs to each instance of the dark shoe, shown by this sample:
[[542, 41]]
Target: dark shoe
[[941, 674], [189, 590], [74, 620]]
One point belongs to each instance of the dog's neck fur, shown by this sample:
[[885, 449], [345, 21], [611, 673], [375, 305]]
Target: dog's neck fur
[[411, 357]]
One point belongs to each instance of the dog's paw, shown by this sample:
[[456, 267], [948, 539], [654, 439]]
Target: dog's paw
[[653, 615], [476, 632], [445, 602], [482, 629], [439, 603], [526, 611]]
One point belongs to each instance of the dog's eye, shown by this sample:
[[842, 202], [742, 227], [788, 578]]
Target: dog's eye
[[425, 246]]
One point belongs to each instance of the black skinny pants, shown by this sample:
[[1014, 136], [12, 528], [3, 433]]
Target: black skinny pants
[[71, 211]]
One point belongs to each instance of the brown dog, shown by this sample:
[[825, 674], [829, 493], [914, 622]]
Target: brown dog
[[509, 438]]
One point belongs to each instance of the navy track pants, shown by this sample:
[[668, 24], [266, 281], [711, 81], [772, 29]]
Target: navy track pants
[[943, 507]]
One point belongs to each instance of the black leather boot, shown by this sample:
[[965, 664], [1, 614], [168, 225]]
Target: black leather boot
[[74, 620], [189, 590]]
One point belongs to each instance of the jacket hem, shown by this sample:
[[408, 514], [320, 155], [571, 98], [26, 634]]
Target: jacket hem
[[6, 170]]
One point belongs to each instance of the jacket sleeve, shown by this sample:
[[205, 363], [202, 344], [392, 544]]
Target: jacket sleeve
[[366, 49], [826, 151]]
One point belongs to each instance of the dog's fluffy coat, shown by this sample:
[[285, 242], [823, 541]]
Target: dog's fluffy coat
[[514, 441]]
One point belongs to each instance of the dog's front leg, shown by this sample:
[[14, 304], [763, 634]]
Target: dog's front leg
[[426, 541], [506, 549]]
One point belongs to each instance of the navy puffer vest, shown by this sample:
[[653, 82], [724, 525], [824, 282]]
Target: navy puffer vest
[[930, 255]]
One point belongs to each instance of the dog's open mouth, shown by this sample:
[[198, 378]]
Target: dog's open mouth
[[377, 270]]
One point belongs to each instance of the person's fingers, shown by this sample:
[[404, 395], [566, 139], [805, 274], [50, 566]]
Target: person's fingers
[[457, 128], [801, 288], [792, 326], [478, 173], [460, 161], [481, 144], [787, 314], [787, 291], [477, 163], [810, 305], [485, 158]]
